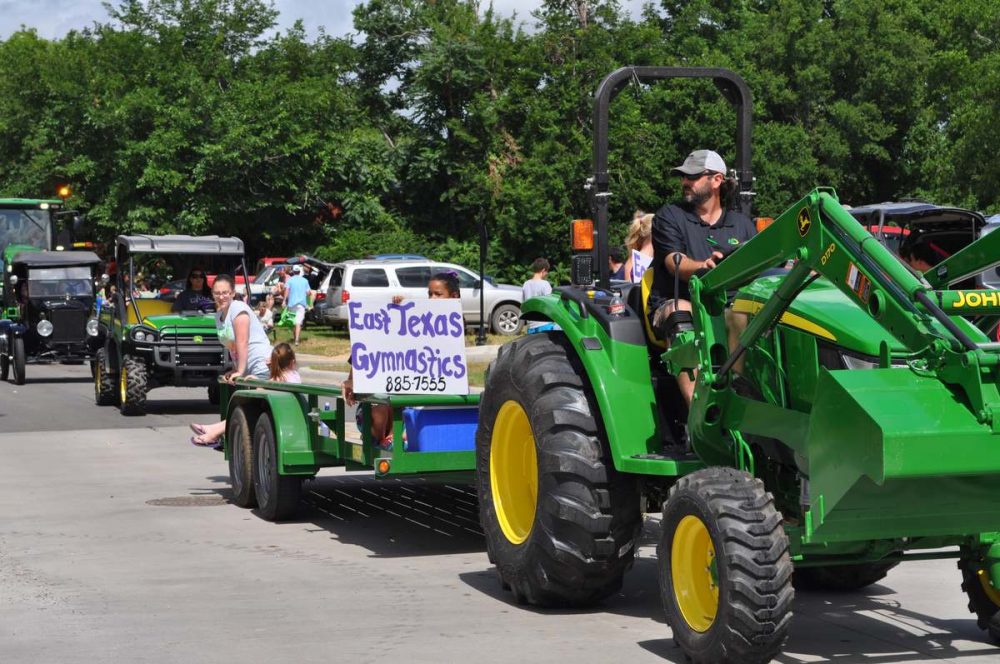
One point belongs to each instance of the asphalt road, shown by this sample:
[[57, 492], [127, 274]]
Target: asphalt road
[[117, 545]]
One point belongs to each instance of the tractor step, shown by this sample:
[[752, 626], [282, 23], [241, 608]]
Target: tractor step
[[669, 454]]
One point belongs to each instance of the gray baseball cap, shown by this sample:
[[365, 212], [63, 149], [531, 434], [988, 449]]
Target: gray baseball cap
[[700, 161]]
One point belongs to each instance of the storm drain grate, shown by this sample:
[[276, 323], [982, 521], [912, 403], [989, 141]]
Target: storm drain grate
[[188, 501]]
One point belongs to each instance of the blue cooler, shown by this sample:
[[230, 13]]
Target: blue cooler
[[440, 429]]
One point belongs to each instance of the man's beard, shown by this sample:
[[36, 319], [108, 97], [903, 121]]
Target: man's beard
[[695, 198]]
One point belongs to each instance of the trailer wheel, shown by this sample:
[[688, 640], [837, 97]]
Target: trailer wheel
[[132, 386], [561, 524], [240, 443], [724, 569], [984, 599], [277, 495], [104, 380], [842, 578], [20, 360]]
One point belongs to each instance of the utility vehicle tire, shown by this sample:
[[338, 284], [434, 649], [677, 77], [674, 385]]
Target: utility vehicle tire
[[105, 389], [214, 394], [4, 364], [239, 440], [506, 320], [724, 568], [561, 524], [984, 599], [132, 386], [20, 361], [277, 495], [842, 578]]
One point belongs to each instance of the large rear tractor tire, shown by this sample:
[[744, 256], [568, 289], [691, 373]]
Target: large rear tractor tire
[[984, 599], [104, 380], [277, 495], [561, 524], [20, 360], [841, 578], [239, 440], [724, 568], [132, 386]]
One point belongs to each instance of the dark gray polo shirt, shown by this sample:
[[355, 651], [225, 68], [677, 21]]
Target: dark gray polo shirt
[[678, 228]]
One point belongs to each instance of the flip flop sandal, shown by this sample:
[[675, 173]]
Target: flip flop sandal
[[205, 443], [198, 428]]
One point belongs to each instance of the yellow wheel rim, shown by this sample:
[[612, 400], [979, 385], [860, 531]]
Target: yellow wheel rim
[[514, 472], [693, 573], [123, 385], [991, 592]]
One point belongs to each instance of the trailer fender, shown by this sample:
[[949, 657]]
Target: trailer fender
[[617, 369], [289, 413]]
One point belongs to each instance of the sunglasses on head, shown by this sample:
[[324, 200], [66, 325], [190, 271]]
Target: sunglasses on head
[[696, 176]]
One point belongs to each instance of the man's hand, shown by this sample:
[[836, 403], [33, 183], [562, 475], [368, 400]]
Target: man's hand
[[348, 390], [712, 260]]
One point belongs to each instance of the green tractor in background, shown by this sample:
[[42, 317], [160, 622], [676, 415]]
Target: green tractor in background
[[798, 464]]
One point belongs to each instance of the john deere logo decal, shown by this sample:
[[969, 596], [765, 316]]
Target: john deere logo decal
[[805, 222], [198, 338]]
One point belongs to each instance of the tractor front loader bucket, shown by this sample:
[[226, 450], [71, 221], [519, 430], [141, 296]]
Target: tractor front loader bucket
[[893, 454]]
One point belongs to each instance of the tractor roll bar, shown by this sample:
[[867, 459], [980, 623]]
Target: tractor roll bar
[[732, 87]]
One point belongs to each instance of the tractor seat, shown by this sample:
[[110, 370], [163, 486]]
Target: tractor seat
[[646, 286]]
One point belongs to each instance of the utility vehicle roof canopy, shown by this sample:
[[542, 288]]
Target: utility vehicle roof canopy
[[181, 244], [915, 212], [55, 258]]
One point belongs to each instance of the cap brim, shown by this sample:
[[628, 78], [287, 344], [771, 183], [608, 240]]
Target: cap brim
[[680, 170]]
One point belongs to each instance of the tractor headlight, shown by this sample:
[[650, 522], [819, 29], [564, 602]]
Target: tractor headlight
[[44, 328], [142, 335], [92, 327]]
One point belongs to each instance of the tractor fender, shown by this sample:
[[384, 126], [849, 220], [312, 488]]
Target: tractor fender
[[289, 413], [615, 358]]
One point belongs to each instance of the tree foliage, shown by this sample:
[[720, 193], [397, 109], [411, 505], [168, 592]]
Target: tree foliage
[[198, 116]]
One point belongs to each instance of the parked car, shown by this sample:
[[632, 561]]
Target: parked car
[[47, 308], [357, 279], [319, 282]]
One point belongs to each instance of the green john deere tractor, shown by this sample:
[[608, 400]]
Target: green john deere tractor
[[862, 431]]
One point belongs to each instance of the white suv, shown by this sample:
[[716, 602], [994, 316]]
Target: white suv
[[356, 279]]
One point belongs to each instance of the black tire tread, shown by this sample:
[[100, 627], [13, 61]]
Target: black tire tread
[[587, 517], [239, 433], [286, 490], [987, 613], [752, 624], [19, 361], [105, 391], [136, 386]]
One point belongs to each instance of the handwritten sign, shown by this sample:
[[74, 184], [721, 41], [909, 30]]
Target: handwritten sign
[[414, 347], [640, 263]]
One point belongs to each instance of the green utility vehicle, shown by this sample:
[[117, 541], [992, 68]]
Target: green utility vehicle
[[279, 434], [798, 462], [147, 341]]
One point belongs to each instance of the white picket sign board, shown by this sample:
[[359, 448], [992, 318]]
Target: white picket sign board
[[414, 347]]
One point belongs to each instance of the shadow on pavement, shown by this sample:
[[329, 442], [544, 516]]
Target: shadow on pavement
[[391, 518], [181, 407], [28, 380]]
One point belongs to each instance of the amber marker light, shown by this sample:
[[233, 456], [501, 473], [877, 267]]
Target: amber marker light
[[763, 222], [583, 234], [383, 466], [64, 192]]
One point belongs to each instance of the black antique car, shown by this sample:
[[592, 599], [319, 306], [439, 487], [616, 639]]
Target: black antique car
[[48, 309]]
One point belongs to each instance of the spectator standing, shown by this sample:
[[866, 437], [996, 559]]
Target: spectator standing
[[297, 294], [537, 285]]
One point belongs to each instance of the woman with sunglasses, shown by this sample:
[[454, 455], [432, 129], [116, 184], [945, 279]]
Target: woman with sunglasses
[[196, 296]]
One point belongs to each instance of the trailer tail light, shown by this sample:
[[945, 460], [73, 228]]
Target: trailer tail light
[[582, 234], [345, 296], [763, 222], [383, 466]]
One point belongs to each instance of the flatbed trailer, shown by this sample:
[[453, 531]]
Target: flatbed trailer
[[280, 434]]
